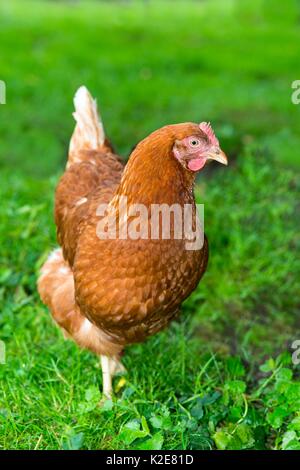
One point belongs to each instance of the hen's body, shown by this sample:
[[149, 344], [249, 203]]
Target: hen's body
[[106, 293]]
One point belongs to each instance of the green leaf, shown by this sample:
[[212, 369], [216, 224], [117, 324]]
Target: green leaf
[[145, 425], [162, 421], [191, 424], [276, 417], [293, 445], [200, 442], [222, 439], [254, 418], [154, 443], [197, 410], [244, 432], [73, 441], [235, 387], [284, 374], [85, 407], [288, 438], [234, 437], [295, 424], [156, 421], [132, 431], [107, 405], [284, 359], [210, 399], [92, 394], [92, 398], [235, 413], [268, 366]]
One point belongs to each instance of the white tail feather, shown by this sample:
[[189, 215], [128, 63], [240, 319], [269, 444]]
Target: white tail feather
[[89, 132]]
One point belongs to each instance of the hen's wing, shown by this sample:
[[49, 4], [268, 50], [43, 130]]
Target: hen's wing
[[92, 168]]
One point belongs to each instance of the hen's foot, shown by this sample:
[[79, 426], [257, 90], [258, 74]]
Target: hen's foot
[[117, 367]]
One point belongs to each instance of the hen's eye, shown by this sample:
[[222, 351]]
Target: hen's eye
[[194, 142]]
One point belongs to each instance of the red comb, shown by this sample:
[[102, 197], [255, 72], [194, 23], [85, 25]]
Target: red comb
[[207, 129]]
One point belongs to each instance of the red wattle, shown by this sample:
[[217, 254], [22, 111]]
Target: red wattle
[[196, 164]]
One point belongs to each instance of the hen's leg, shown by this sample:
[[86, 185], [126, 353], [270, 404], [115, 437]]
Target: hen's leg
[[110, 367], [106, 376]]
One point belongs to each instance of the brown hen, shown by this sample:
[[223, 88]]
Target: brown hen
[[109, 288]]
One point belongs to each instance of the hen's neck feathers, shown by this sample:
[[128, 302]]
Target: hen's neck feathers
[[153, 175]]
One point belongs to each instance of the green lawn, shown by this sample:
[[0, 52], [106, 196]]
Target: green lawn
[[222, 376]]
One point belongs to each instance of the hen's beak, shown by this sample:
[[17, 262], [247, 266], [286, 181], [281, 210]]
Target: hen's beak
[[218, 155]]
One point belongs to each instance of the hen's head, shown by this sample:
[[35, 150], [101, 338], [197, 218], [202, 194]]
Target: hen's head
[[195, 145], [171, 156]]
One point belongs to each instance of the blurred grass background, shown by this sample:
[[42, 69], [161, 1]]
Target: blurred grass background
[[149, 63], [230, 383]]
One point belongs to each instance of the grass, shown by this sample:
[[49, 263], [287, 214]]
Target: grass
[[222, 376], [149, 64]]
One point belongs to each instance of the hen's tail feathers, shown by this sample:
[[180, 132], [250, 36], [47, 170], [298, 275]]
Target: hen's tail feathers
[[89, 132]]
